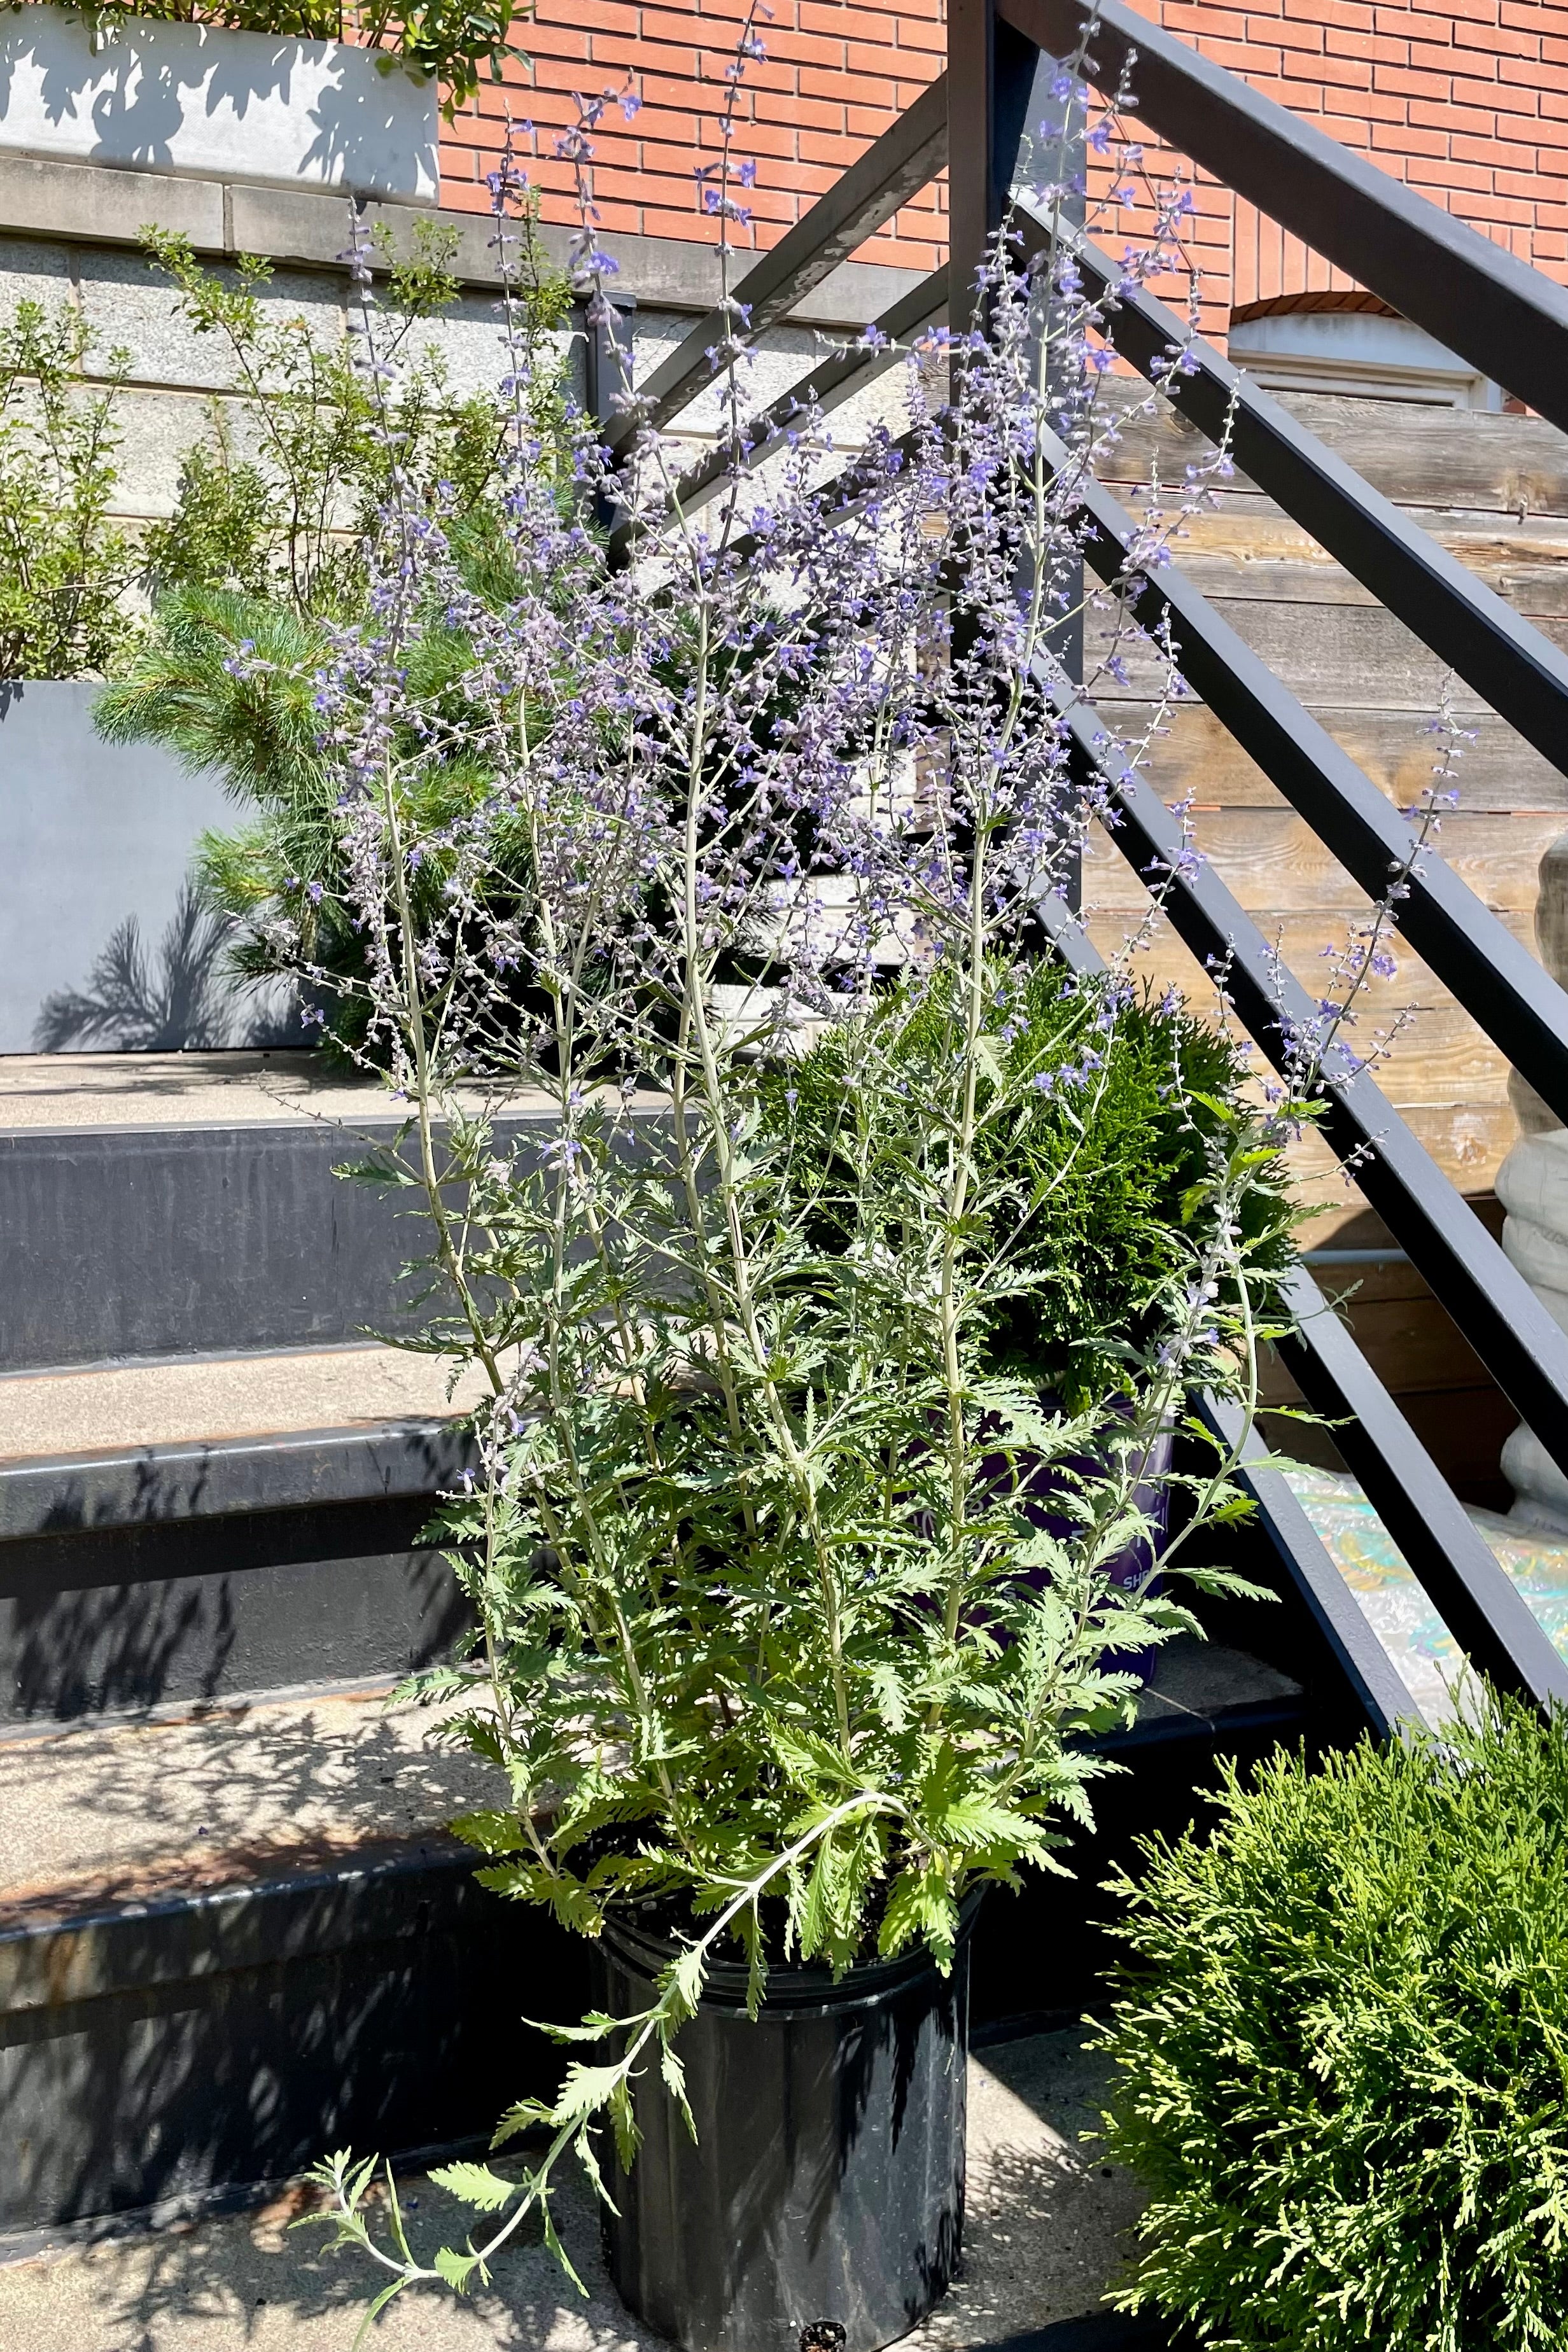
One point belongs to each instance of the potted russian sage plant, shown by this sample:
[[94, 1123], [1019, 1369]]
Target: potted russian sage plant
[[735, 1136]]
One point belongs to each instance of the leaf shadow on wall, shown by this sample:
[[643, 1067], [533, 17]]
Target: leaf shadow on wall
[[177, 999]]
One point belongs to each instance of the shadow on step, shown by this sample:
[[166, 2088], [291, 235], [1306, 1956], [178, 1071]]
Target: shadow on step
[[155, 2050], [154, 1610]]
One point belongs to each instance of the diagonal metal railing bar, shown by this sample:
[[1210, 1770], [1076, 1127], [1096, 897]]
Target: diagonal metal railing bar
[[832, 381], [1495, 977], [1371, 1672], [1508, 320], [1478, 1601], [911, 152], [1487, 1297], [845, 496], [1455, 1567], [1512, 665]]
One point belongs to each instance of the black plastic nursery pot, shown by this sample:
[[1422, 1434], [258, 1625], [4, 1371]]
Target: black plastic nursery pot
[[827, 2178]]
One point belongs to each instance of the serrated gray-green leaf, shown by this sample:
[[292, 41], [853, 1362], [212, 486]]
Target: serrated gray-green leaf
[[475, 2184], [454, 2268], [585, 2090]]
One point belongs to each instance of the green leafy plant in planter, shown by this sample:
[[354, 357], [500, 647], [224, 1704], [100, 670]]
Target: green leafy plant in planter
[[775, 1669], [428, 37], [288, 518], [1338, 2051], [265, 555], [1099, 1169]]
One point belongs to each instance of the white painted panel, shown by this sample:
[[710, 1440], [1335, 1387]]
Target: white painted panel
[[212, 104]]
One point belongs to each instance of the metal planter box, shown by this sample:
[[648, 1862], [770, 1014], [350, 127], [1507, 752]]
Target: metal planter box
[[102, 947], [213, 104]]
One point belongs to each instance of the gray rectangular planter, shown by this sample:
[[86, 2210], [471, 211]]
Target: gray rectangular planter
[[224, 105], [102, 947]]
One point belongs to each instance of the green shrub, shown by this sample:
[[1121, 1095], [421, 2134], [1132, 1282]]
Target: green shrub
[[263, 553], [292, 519], [66, 567], [1089, 1173], [1341, 2052], [227, 682]]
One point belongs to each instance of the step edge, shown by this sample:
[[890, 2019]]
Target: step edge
[[65, 1954], [90, 1945], [215, 1478]]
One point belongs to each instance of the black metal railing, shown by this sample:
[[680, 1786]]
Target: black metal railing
[[1512, 324]]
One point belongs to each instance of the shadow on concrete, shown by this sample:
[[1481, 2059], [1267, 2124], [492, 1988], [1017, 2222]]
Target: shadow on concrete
[[110, 1812], [160, 1611], [256, 2280]]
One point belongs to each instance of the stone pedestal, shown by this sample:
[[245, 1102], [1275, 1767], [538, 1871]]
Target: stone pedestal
[[1533, 1185]]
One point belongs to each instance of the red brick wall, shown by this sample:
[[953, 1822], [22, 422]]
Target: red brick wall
[[835, 75], [1467, 99]]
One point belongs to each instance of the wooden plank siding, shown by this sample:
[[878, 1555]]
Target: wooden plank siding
[[1494, 490]]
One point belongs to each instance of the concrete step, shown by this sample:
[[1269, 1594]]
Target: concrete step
[[176, 1203], [197, 1796], [232, 1938], [216, 1795], [235, 1937], [214, 1403], [66, 1093], [173, 1203], [179, 1530]]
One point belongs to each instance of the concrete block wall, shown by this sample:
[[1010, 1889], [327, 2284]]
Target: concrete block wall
[[67, 233]]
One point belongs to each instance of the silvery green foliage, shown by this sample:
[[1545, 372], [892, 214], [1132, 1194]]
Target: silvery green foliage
[[775, 1627]]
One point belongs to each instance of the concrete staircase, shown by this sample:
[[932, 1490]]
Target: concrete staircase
[[210, 1481], [234, 1932], [230, 1918]]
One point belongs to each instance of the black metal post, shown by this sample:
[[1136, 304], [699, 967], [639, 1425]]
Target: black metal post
[[608, 356], [609, 359], [998, 93], [990, 71]]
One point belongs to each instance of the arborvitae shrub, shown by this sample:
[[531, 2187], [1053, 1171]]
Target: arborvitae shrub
[[1102, 1162], [1340, 2050]]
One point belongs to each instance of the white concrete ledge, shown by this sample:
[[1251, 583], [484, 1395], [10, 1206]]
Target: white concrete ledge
[[94, 204]]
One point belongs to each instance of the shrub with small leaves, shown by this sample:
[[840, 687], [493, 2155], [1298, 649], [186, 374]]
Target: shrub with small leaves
[[66, 566], [1090, 1176], [1341, 2052], [290, 519]]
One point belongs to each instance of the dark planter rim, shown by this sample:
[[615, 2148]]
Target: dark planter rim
[[804, 1990]]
